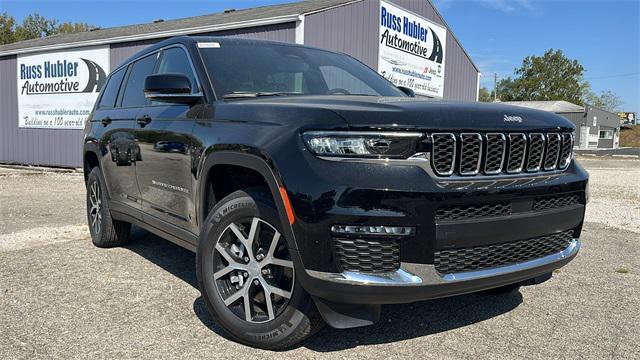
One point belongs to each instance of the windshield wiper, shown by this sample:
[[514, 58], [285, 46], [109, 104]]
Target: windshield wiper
[[238, 95]]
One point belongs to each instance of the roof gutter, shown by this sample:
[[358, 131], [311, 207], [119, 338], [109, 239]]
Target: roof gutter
[[159, 34]]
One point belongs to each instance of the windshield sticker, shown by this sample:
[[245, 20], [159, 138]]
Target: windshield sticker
[[208, 45]]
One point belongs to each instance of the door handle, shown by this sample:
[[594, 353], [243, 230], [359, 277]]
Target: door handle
[[106, 121], [144, 120]]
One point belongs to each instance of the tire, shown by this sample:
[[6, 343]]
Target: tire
[[105, 231], [292, 316]]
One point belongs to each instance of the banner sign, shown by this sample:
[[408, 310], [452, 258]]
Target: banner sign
[[628, 118], [57, 90], [411, 50]]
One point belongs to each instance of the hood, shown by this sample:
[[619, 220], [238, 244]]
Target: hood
[[386, 113]]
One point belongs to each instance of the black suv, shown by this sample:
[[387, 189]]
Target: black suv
[[312, 190]]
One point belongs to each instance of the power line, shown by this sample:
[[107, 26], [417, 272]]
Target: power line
[[613, 76]]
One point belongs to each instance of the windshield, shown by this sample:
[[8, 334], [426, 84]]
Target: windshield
[[239, 69]]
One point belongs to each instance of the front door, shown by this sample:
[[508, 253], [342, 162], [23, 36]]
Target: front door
[[164, 177], [165, 140]]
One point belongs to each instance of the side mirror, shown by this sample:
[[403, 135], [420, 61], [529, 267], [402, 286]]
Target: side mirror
[[407, 91], [173, 88]]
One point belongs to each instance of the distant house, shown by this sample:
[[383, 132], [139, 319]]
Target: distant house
[[595, 128]]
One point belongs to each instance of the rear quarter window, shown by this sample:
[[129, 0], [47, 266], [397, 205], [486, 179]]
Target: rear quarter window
[[110, 92]]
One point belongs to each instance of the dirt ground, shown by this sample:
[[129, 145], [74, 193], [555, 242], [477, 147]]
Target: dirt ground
[[60, 297]]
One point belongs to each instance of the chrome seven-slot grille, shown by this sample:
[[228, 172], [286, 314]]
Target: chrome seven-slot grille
[[468, 154], [495, 255]]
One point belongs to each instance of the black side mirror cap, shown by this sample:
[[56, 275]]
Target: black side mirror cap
[[407, 91], [169, 87]]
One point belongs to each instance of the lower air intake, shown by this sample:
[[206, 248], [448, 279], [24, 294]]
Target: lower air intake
[[367, 255], [496, 255]]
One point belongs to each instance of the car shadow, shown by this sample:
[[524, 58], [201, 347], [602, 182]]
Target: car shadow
[[398, 322]]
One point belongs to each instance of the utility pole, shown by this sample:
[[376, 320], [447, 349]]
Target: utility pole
[[495, 87]]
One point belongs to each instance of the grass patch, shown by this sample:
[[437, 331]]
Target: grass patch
[[630, 137], [556, 271], [622, 271]]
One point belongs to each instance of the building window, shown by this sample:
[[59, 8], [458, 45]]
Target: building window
[[606, 134]]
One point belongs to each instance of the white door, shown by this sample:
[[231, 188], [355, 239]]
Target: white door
[[584, 137]]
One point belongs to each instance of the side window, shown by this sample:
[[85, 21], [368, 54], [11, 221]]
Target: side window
[[110, 92], [134, 90], [338, 78], [175, 60]]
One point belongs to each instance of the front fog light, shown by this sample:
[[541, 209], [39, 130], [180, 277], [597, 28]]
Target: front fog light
[[372, 230]]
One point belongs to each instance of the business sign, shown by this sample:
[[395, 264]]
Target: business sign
[[57, 90], [411, 50], [628, 118]]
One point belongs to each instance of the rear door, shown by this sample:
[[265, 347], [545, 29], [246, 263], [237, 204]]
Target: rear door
[[116, 128], [165, 139]]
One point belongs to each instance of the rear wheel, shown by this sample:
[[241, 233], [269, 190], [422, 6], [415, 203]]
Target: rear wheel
[[247, 277], [105, 231]]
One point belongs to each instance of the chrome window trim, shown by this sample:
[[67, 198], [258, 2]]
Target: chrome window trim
[[156, 53], [453, 157], [555, 163], [477, 170], [544, 144], [524, 153], [504, 153]]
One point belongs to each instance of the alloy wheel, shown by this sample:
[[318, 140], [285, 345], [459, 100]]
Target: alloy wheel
[[253, 271], [95, 212]]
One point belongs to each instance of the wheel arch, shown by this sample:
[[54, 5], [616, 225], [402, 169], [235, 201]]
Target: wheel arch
[[254, 163], [90, 158]]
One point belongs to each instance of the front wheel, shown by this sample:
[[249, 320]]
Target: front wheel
[[246, 274]]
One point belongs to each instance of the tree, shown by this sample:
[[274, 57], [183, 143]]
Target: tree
[[69, 27], [485, 95], [552, 76], [34, 26], [7, 26], [607, 100]]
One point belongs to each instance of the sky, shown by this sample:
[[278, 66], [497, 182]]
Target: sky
[[603, 35]]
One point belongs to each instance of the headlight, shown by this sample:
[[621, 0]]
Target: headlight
[[394, 145]]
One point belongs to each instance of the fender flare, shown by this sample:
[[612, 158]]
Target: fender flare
[[90, 146], [253, 162]]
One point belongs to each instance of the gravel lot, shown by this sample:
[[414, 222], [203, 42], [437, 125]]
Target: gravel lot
[[60, 297]]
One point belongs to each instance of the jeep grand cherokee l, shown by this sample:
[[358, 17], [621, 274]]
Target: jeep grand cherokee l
[[312, 190]]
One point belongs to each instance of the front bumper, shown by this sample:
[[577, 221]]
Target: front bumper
[[416, 282], [326, 193]]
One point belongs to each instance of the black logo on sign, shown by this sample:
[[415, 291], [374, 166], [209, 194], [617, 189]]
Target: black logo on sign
[[60, 77], [97, 76]]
